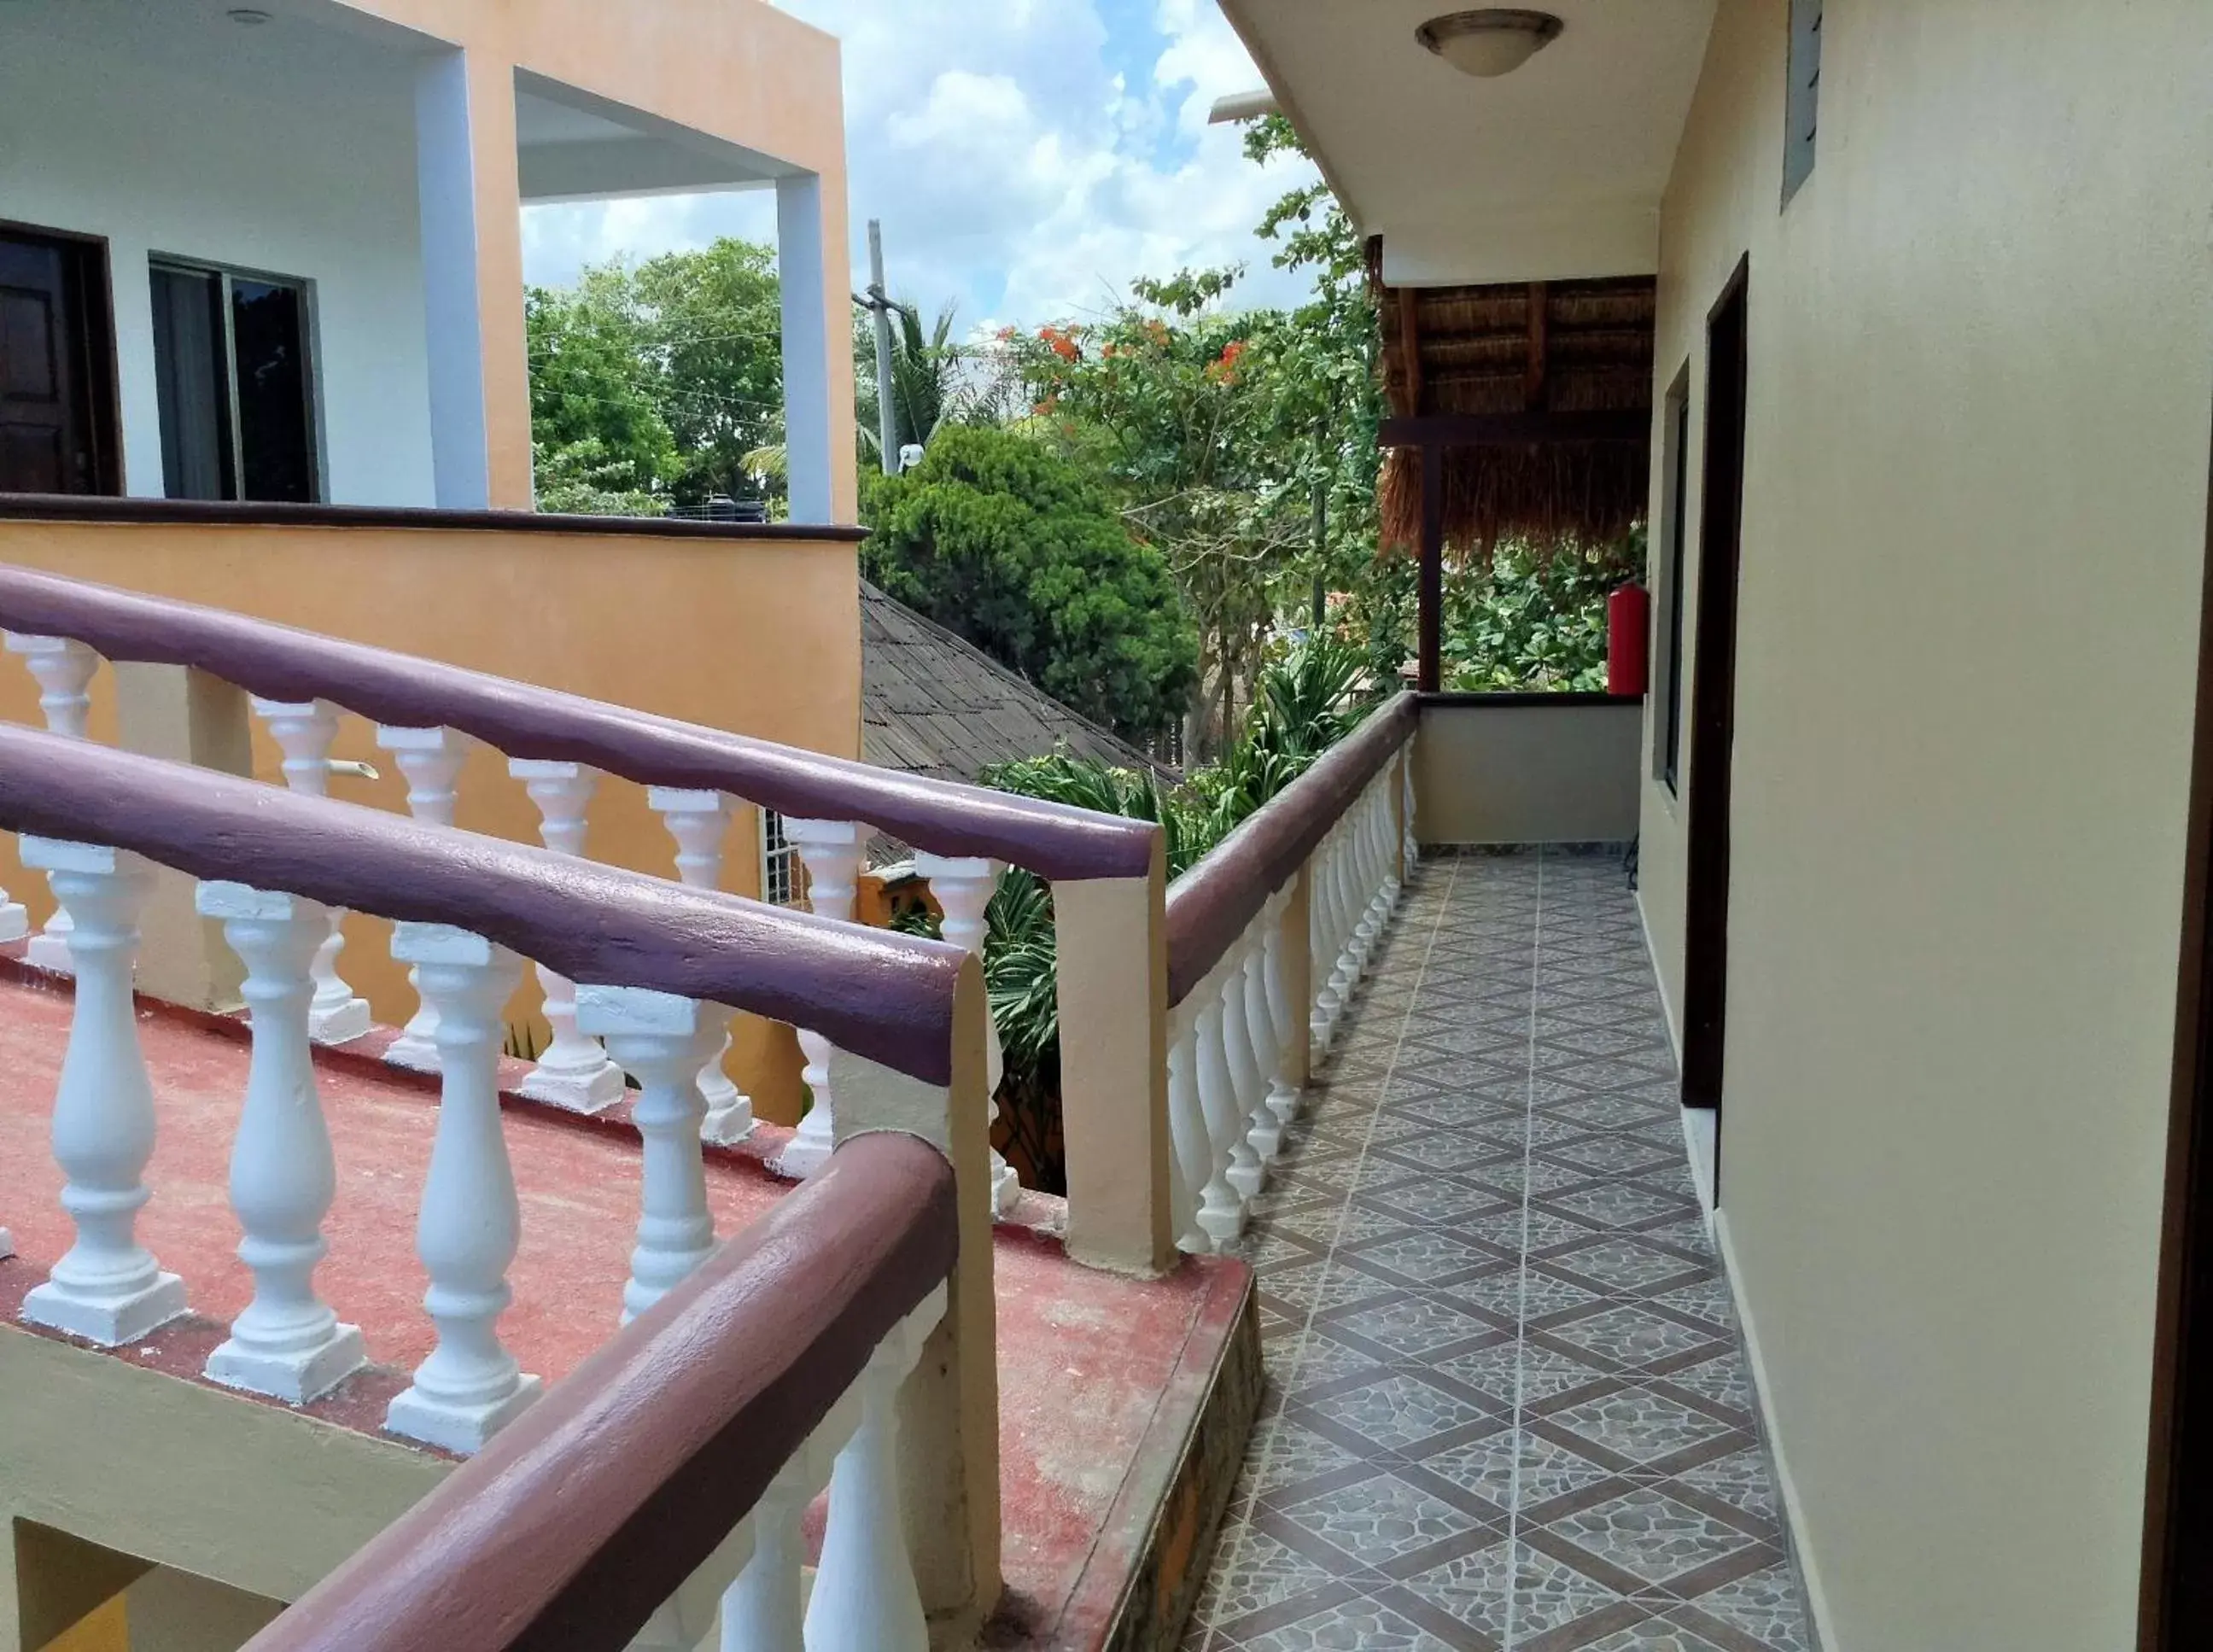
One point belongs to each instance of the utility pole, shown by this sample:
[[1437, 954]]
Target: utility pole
[[880, 304]]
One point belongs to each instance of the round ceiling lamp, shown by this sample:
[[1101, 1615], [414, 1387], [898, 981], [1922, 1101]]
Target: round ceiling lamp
[[247, 16], [1488, 43]]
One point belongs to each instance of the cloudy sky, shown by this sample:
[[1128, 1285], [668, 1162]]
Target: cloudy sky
[[1027, 157]]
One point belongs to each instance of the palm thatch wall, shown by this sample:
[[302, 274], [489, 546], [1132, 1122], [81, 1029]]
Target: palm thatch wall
[[1563, 347]]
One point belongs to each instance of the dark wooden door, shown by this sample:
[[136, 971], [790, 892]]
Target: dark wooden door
[[2178, 1578], [56, 431], [1713, 703]]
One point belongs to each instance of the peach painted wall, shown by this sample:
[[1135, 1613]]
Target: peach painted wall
[[736, 69], [756, 635]]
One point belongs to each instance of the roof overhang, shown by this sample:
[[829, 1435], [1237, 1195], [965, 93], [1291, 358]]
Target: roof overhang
[[575, 146], [1551, 173]]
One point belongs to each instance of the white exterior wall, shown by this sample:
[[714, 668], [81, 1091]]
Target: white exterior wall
[[312, 178]]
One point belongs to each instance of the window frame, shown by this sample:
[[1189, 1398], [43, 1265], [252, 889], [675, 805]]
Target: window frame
[[311, 377], [780, 868]]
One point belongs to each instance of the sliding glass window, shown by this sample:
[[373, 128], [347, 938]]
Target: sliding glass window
[[236, 385]]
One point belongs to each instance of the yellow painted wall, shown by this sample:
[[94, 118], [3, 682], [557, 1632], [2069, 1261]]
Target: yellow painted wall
[[738, 70], [1981, 380], [759, 637]]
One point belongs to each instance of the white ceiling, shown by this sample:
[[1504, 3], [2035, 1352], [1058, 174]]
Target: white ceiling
[[1553, 172], [575, 146]]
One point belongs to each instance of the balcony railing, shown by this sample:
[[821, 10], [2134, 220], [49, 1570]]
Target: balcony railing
[[744, 1378], [782, 1355]]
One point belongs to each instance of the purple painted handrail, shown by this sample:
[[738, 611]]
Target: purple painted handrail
[[591, 1509], [886, 996], [1211, 904], [279, 663]]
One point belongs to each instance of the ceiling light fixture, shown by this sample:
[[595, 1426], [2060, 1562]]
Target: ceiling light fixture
[[1488, 43], [247, 16]]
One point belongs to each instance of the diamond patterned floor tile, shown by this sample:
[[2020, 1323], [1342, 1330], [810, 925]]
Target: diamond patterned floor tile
[[1495, 1321]]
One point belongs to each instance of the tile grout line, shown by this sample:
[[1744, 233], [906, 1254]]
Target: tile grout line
[[1329, 1260], [1521, 1303]]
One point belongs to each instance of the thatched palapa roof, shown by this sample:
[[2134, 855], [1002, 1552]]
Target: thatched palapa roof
[[1538, 398]]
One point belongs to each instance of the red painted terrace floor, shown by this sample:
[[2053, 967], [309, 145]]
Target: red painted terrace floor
[[1100, 1377]]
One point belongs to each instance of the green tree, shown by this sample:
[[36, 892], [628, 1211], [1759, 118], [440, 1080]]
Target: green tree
[[1015, 548], [713, 325], [592, 406]]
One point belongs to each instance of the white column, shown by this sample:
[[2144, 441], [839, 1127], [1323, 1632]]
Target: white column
[[431, 759], [1194, 1157], [304, 732], [107, 1289], [1412, 844], [1247, 1175], [964, 886], [1326, 900], [1265, 1129], [661, 1039], [1282, 1095], [64, 670], [287, 1342], [1220, 1212], [809, 331], [762, 1612], [446, 201], [573, 1071], [864, 1588], [470, 1386], [699, 821], [830, 853]]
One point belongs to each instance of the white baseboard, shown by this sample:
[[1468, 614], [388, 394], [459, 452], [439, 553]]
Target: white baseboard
[[1659, 977], [1786, 1485]]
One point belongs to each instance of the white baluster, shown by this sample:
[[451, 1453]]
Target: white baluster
[[1329, 1004], [1221, 1211], [432, 760], [572, 1071], [1194, 1159], [64, 668], [1265, 1131], [699, 820], [304, 731], [1394, 883], [108, 1289], [287, 1342], [469, 1387], [964, 886], [865, 1593], [1411, 845], [831, 851], [1284, 1097], [1247, 1173], [763, 1611], [662, 1040]]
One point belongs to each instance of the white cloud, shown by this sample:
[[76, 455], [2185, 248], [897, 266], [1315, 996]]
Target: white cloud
[[1028, 157]]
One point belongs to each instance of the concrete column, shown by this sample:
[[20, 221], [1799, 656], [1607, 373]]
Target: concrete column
[[949, 1407], [186, 716], [818, 362], [467, 186], [1112, 943]]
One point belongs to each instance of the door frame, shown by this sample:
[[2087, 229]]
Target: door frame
[[94, 274], [2178, 1465], [1713, 700]]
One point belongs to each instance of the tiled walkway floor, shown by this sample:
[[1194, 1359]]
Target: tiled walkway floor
[[1507, 1407]]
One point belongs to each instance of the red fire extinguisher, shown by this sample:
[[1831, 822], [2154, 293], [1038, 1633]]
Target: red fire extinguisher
[[1628, 622]]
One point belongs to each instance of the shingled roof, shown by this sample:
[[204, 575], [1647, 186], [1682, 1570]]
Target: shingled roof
[[935, 705]]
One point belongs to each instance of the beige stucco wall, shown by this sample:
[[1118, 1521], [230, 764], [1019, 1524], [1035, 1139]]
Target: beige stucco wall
[[1981, 376], [256, 1497], [1526, 774], [758, 636], [737, 69]]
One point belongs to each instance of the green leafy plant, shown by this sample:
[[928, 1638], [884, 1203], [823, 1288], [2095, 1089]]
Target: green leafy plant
[[1532, 620]]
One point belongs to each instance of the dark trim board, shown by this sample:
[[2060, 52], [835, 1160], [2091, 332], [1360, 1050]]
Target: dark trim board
[[225, 513], [2175, 1610], [1713, 699]]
